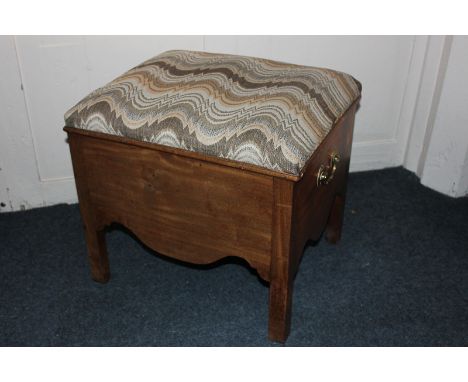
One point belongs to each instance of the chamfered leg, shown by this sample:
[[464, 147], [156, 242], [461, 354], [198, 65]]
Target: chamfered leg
[[281, 272], [281, 290], [335, 220], [97, 254], [94, 231]]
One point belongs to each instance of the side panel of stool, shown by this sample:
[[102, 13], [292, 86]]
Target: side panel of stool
[[184, 208], [319, 208], [335, 220]]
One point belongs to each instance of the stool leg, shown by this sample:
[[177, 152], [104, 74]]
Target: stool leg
[[281, 268], [94, 229], [97, 254], [335, 221], [281, 290]]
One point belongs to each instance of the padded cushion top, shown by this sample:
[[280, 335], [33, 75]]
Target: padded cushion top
[[246, 109]]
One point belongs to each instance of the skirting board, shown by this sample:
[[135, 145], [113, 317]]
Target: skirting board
[[374, 155]]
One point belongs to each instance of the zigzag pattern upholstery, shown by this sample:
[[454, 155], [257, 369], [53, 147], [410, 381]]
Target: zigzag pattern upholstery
[[246, 109]]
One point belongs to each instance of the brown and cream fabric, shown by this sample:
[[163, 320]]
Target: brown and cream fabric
[[251, 110]]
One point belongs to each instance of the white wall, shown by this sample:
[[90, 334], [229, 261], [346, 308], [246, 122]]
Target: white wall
[[446, 164], [41, 77], [437, 150]]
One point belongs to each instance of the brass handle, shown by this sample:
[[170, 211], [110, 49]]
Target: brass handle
[[327, 173]]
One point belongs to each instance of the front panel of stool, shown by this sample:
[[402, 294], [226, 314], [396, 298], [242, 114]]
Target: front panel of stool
[[181, 207], [324, 178]]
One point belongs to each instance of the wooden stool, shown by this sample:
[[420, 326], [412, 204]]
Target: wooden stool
[[205, 156]]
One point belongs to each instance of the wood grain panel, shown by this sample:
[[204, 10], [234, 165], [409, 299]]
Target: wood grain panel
[[188, 209], [313, 203]]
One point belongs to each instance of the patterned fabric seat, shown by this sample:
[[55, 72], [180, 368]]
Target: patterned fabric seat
[[246, 109]]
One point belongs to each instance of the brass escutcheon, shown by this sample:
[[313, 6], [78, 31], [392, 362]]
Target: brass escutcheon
[[326, 173]]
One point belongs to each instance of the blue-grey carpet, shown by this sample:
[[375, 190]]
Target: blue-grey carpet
[[399, 277]]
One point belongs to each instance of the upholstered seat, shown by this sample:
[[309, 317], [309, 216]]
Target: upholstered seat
[[251, 110]]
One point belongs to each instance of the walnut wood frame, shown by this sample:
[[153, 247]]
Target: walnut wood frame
[[199, 209]]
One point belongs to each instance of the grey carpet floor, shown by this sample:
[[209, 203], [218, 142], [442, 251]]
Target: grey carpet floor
[[399, 277]]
